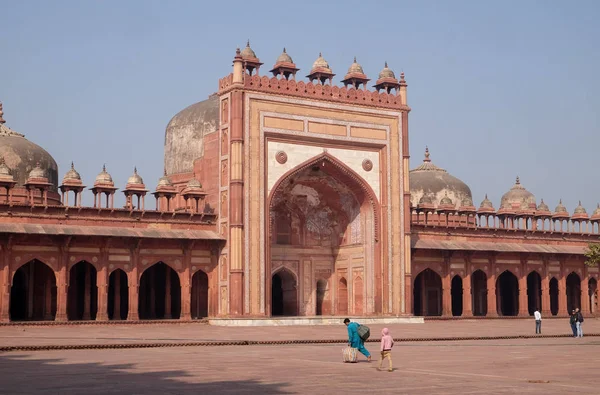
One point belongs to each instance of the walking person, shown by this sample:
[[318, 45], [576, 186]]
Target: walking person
[[354, 339], [538, 322], [578, 322], [572, 321], [387, 342]]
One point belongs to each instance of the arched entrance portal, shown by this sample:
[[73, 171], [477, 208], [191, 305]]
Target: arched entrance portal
[[479, 291], [323, 209], [160, 293], [199, 295], [283, 293], [553, 296], [507, 287], [427, 294], [83, 293], [118, 295], [457, 296], [534, 292], [593, 295], [33, 293], [573, 292]]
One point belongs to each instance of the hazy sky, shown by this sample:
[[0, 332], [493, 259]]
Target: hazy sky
[[497, 88]]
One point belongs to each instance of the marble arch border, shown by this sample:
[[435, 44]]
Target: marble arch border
[[393, 113]]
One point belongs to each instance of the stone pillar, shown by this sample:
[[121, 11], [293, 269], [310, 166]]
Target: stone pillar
[[236, 207], [168, 314], [117, 299], [102, 299], [134, 284], [48, 299], [185, 278], [546, 312], [585, 298], [562, 295], [467, 297], [87, 293], [5, 283], [492, 308], [446, 295], [62, 285], [523, 300]]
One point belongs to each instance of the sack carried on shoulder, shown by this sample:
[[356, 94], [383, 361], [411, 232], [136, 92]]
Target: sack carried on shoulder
[[364, 332]]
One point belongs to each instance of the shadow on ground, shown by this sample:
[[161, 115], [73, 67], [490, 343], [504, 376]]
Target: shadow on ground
[[24, 375]]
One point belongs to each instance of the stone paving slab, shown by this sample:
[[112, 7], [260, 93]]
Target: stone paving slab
[[532, 366], [184, 333]]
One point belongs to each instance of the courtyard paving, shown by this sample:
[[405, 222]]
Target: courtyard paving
[[523, 366], [192, 332]]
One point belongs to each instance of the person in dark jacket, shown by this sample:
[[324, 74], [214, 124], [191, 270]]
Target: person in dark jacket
[[578, 322], [572, 321]]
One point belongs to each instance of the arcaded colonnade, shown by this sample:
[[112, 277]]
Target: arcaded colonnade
[[484, 287], [146, 280]]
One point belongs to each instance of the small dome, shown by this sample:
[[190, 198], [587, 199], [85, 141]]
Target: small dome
[[248, 52], [446, 200], [560, 208], [355, 68], [426, 199], [135, 178], [486, 203], [543, 206], [5, 174], [72, 174], [516, 195], [321, 63], [103, 177], [37, 172], [164, 181], [387, 73], [194, 184], [428, 179], [284, 58], [467, 202], [579, 209], [597, 210]]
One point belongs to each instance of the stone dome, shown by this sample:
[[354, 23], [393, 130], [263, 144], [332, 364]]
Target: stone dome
[[72, 174], [248, 52], [103, 177], [543, 206], [21, 156], [597, 210], [446, 200], [135, 178], [386, 73], [184, 136], [164, 181], [486, 203], [518, 197], [321, 63], [37, 172], [428, 179], [194, 184], [284, 58], [579, 209], [355, 68], [560, 209], [5, 174]]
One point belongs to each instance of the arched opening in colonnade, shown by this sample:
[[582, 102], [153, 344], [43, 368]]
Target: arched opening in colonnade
[[160, 293], [322, 208], [553, 296], [507, 288], [593, 295], [199, 303], [33, 293], [479, 293], [82, 296], [427, 294], [457, 296], [573, 292], [118, 295], [284, 295], [534, 292]]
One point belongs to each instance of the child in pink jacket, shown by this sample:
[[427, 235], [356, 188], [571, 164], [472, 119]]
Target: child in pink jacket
[[387, 342]]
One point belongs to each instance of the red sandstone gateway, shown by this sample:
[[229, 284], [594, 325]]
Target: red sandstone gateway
[[283, 197]]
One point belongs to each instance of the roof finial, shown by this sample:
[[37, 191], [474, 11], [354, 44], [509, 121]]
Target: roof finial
[[355, 59], [134, 169], [427, 155], [559, 201], [402, 77], [104, 167], [284, 50], [237, 51], [72, 165], [1, 114], [486, 198], [320, 55], [386, 66], [518, 181], [580, 202], [248, 44]]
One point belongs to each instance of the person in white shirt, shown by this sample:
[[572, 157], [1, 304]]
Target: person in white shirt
[[538, 322]]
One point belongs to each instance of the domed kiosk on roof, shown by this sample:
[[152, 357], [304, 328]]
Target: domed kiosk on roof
[[437, 183], [518, 198]]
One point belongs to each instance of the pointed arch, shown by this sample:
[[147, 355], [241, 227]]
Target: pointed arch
[[427, 293], [284, 293], [199, 295], [534, 292], [33, 292], [479, 292], [342, 296], [553, 284], [507, 289], [573, 291], [160, 293], [82, 294], [118, 295]]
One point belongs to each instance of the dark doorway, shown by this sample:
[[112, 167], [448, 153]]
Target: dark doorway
[[322, 309], [553, 296], [479, 290], [573, 292], [507, 288], [534, 292], [160, 293], [342, 298], [118, 295], [33, 293], [427, 294], [593, 295], [284, 300], [457, 296], [199, 295], [83, 292]]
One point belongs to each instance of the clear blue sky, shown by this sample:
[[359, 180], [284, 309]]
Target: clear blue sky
[[498, 89]]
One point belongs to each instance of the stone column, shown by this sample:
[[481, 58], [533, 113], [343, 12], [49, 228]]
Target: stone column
[[134, 284], [62, 285], [446, 296], [492, 308], [87, 293], [546, 312], [523, 300], [117, 299], [467, 297], [168, 314], [5, 284], [48, 299], [185, 278], [562, 295], [585, 298], [102, 299]]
